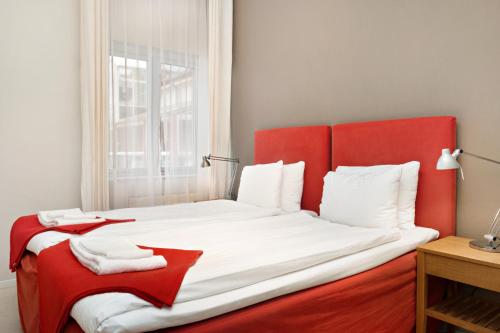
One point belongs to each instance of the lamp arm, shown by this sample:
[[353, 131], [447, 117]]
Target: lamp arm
[[224, 159], [494, 222], [494, 225], [480, 157]]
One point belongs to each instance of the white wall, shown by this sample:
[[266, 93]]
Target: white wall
[[39, 111]]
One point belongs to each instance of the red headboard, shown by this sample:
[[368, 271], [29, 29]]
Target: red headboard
[[399, 141], [310, 144]]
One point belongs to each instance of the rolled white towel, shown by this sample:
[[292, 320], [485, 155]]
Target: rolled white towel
[[48, 217], [114, 248], [102, 265]]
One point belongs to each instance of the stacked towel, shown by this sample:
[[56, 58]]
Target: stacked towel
[[106, 255], [51, 218], [114, 248]]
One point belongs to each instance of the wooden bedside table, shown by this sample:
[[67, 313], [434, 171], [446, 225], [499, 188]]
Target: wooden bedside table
[[451, 258]]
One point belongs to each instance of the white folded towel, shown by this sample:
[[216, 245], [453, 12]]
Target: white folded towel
[[48, 217], [79, 216], [51, 218], [102, 265], [130, 254], [65, 221], [114, 248]]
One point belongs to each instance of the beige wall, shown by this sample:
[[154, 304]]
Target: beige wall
[[39, 111], [303, 62]]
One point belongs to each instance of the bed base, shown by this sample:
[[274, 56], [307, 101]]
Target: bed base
[[378, 300]]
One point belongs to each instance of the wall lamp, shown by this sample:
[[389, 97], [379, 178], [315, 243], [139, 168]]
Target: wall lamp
[[205, 163]]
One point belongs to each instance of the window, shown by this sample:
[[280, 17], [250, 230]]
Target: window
[[153, 112]]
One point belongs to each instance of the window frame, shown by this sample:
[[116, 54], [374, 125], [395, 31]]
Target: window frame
[[155, 58]]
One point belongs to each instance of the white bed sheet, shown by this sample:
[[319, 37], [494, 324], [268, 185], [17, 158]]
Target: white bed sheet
[[204, 294], [143, 317], [203, 210]]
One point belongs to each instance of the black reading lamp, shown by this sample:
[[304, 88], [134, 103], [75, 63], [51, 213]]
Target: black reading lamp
[[206, 164]]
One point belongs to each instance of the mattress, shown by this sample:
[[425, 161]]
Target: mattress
[[121, 312], [181, 213]]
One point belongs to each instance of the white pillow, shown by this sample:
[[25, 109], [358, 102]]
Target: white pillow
[[407, 188], [292, 185], [260, 185], [362, 200]]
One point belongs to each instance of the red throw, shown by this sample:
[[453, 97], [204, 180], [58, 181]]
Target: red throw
[[63, 281], [27, 227]]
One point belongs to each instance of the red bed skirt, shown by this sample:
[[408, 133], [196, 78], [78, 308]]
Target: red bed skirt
[[378, 300]]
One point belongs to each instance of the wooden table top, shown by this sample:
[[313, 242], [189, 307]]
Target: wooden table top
[[458, 248]]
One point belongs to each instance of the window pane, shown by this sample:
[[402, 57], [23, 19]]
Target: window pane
[[178, 149], [128, 112]]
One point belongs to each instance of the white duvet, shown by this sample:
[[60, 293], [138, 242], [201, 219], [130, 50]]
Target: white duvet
[[203, 210], [237, 255]]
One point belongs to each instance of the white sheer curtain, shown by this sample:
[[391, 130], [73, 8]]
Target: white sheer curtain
[[156, 81], [220, 52], [94, 103], [159, 120]]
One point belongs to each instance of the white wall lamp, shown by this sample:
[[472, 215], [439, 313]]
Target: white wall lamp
[[448, 161]]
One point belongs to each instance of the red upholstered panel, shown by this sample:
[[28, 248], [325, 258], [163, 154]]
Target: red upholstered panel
[[310, 144], [399, 141]]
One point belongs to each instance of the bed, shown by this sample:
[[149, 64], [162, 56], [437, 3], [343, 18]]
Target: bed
[[380, 284]]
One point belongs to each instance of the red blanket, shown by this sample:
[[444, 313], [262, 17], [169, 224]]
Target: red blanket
[[27, 227], [63, 281]]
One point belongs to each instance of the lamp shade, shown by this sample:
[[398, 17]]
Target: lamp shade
[[205, 163], [447, 161]]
